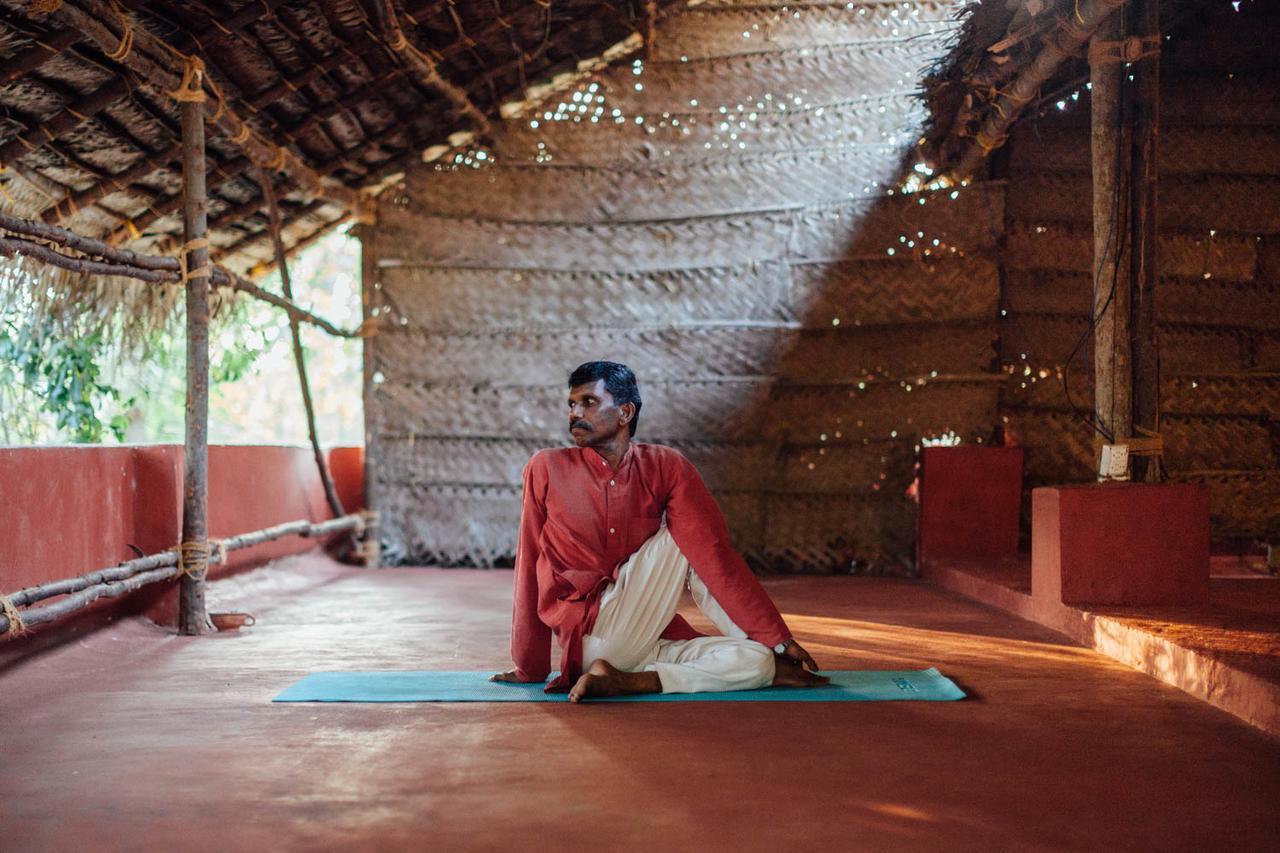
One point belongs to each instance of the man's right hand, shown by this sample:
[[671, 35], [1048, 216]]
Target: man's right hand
[[514, 676]]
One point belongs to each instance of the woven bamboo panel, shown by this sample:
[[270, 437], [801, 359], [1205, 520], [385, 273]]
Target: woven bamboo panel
[[1194, 442], [1241, 503], [460, 298], [743, 135], [710, 245], [1211, 302], [896, 290], [1059, 446], [723, 411], [889, 291], [1231, 52], [425, 460], [716, 31], [787, 180], [527, 357], [450, 525], [715, 241], [1041, 388], [1047, 340], [883, 411], [1241, 394], [826, 533], [842, 467], [1185, 150], [460, 525], [1195, 99], [844, 354], [1266, 352], [1187, 202], [702, 410], [970, 223], [1053, 246], [1269, 261], [826, 73]]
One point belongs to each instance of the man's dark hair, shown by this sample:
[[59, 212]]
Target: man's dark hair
[[619, 381]]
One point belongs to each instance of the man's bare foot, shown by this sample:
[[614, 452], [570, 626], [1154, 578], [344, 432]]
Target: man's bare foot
[[604, 679], [790, 673]]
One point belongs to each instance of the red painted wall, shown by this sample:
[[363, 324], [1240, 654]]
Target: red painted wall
[[65, 511], [970, 502]]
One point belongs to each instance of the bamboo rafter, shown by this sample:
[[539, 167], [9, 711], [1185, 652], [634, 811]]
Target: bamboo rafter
[[158, 68]]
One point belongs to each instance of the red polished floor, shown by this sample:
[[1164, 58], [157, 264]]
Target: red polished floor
[[134, 739]]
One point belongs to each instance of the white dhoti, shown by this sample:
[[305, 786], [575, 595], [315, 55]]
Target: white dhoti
[[636, 609]]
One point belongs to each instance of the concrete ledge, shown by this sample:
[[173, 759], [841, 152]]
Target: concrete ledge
[[1251, 697], [1120, 544]]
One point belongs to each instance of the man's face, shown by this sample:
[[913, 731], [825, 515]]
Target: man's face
[[594, 418]]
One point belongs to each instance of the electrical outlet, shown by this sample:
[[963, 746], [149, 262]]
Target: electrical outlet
[[1115, 462]]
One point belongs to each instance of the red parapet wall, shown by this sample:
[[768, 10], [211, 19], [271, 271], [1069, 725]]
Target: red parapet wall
[[65, 511], [970, 500]]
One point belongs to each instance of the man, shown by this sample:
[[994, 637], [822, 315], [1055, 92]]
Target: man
[[611, 532]]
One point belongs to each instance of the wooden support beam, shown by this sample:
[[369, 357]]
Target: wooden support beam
[[371, 548], [1145, 15], [192, 618], [1112, 368], [1125, 125], [299, 359]]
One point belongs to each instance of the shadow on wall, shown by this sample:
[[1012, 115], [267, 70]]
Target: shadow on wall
[[729, 220]]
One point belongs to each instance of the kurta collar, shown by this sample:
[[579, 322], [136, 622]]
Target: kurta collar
[[597, 461]]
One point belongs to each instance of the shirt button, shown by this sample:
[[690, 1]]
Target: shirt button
[[611, 530], [612, 483]]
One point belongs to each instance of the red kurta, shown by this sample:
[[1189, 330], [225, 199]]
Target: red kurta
[[581, 521]]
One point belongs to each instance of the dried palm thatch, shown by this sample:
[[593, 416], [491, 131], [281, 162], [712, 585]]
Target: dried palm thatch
[[332, 96]]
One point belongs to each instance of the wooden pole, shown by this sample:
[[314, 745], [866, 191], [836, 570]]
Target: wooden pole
[[295, 332], [192, 618], [1112, 370], [1145, 16], [368, 297]]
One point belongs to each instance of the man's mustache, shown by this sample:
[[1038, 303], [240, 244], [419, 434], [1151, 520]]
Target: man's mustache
[[579, 425]]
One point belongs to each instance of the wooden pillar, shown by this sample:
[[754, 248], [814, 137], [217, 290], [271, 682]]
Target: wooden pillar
[[1145, 17], [1112, 368], [1125, 128], [369, 302], [192, 618], [295, 334]]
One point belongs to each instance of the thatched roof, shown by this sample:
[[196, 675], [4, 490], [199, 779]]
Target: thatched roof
[[1001, 40], [90, 142]]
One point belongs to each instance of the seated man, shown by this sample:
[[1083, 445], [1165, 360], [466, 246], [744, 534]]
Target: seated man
[[599, 564]]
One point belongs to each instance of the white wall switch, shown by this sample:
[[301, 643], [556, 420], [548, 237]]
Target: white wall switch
[[1115, 462]]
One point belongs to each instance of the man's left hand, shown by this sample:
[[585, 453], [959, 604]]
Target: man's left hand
[[797, 653]]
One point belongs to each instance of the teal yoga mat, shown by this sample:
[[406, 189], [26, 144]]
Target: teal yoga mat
[[846, 686]]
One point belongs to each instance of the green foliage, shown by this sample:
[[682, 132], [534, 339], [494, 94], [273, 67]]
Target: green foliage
[[64, 372], [70, 380]]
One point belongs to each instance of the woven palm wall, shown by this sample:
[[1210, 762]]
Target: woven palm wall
[[1218, 302], [719, 218]]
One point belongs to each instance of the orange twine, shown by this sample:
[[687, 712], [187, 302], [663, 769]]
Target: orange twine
[[16, 626], [199, 272], [191, 89]]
